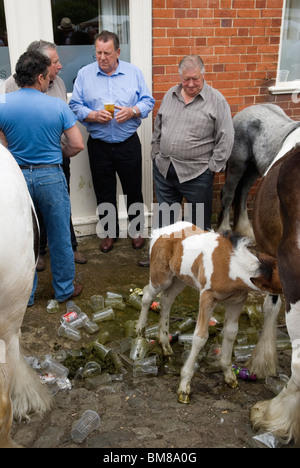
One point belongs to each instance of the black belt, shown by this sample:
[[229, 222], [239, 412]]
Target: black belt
[[39, 166]]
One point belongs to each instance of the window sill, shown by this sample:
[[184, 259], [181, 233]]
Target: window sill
[[290, 87]]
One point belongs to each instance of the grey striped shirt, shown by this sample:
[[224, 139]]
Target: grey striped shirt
[[193, 137]]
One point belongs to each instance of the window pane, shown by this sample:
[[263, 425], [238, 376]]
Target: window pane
[[5, 70], [75, 23], [290, 53]]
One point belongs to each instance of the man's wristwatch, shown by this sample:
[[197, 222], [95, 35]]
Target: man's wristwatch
[[134, 112]]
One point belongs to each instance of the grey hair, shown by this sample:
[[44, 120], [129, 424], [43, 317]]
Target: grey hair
[[41, 47], [191, 61]]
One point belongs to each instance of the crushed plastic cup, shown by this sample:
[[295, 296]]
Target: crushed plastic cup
[[121, 346], [97, 302], [139, 348], [103, 337], [103, 315], [89, 422], [152, 332], [52, 306], [139, 371], [91, 369], [135, 300], [115, 301], [186, 325], [67, 331], [90, 326], [101, 350], [50, 365], [71, 306]]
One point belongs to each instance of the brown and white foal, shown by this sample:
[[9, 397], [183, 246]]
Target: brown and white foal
[[220, 267]]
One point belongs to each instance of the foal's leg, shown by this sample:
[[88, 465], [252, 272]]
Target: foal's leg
[[233, 312], [167, 298], [149, 294], [200, 338]]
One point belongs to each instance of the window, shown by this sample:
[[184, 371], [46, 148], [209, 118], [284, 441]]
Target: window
[[290, 48], [5, 70], [75, 23]]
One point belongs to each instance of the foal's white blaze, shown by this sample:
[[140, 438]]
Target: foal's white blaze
[[193, 247]]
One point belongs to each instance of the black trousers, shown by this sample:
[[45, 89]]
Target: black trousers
[[197, 192], [124, 159]]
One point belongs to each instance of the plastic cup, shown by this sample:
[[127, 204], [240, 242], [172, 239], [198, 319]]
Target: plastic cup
[[110, 107], [139, 371], [91, 369], [89, 422], [101, 350], [97, 302], [52, 306], [139, 348], [122, 346], [52, 366], [68, 332], [103, 315]]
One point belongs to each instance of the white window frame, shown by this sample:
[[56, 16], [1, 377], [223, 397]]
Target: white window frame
[[288, 87]]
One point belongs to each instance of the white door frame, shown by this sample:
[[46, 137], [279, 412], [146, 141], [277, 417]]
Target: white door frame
[[30, 20]]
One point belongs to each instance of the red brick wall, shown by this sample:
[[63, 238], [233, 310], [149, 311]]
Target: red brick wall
[[238, 41]]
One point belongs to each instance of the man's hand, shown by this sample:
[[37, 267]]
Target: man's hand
[[125, 113]]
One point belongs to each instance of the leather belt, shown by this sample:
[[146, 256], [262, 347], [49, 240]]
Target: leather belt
[[39, 166]]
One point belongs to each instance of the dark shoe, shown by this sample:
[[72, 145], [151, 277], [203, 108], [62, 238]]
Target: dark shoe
[[107, 244], [79, 258], [77, 290], [144, 263], [138, 243], [40, 266]]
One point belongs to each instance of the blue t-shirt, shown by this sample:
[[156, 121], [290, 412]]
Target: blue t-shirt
[[33, 123]]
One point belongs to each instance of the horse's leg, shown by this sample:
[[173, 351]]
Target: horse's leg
[[236, 167], [8, 363], [199, 339], [241, 222], [281, 416], [263, 361], [231, 326], [149, 294], [167, 298]]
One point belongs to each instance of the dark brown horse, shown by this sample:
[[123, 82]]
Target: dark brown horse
[[276, 227]]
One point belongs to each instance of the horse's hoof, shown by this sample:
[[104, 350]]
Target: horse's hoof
[[184, 398]]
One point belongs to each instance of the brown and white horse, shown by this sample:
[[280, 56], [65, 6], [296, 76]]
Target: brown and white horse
[[20, 389], [276, 227], [220, 267]]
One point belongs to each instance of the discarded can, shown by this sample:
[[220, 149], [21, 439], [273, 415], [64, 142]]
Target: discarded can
[[243, 373]]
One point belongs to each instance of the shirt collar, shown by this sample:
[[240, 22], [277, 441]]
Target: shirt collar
[[119, 70], [202, 93]]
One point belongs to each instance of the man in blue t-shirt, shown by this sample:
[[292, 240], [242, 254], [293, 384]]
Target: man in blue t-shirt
[[33, 124]]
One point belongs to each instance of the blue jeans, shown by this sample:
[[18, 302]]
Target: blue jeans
[[49, 192]]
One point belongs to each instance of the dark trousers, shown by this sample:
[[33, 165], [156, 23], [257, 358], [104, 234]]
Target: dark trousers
[[124, 159], [197, 192], [43, 232]]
